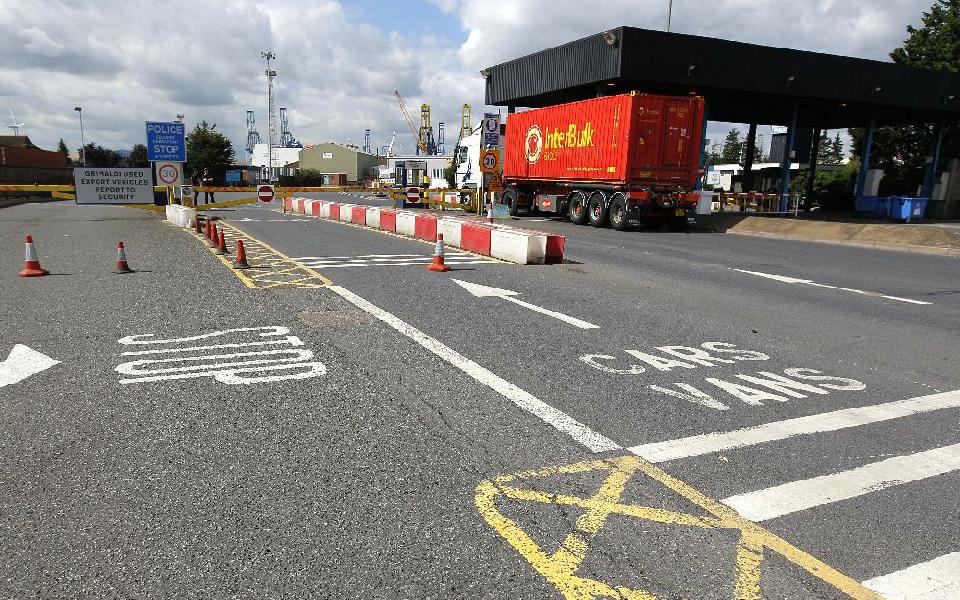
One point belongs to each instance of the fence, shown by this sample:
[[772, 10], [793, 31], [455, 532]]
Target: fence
[[752, 202]]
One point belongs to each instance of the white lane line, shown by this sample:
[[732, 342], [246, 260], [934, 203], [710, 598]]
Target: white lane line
[[795, 496], [787, 279], [399, 264], [708, 443], [937, 579], [526, 401]]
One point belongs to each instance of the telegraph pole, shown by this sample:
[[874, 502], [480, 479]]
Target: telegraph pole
[[669, 16]]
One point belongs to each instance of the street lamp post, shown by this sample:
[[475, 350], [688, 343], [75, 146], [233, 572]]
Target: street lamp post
[[83, 143]]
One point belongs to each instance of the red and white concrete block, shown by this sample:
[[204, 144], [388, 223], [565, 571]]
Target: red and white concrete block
[[511, 244]]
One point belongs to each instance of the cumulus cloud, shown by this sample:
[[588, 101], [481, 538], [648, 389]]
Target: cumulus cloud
[[130, 61]]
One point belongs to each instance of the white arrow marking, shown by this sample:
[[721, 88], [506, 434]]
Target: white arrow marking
[[483, 291], [23, 362]]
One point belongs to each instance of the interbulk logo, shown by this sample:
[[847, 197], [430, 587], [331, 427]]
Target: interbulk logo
[[533, 145], [573, 137]]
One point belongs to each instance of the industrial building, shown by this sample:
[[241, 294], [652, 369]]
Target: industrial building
[[284, 160], [330, 159], [22, 161], [424, 171]]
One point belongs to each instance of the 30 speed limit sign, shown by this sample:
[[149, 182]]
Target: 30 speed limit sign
[[169, 173], [490, 161]]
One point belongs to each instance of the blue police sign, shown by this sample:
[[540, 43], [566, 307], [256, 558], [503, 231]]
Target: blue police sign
[[166, 141]]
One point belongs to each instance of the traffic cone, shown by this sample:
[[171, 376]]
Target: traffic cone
[[122, 266], [31, 264], [206, 230], [221, 244], [438, 265], [196, 224], [213, 234], [489, 212], [241, 262]]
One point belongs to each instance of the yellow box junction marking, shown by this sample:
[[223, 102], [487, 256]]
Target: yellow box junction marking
[[560, 568], [270, 268]]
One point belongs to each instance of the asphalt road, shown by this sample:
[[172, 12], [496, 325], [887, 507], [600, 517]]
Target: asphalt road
[[421, 442]]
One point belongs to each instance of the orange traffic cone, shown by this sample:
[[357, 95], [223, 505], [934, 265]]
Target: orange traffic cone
[[438, 265], [206, 231], [241, 262], [213, 234], [196, 224], [122, 266], [221, 244], [31, 264]]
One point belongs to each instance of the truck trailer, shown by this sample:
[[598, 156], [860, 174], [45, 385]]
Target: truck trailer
[[610, 160]]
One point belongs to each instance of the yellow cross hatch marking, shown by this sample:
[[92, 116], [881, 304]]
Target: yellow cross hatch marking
[[560, 568], [270, 268]]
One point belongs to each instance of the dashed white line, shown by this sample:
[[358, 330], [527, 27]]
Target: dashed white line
[[780, 430], [804, 494], [937, 579], [524, 400], [788, 279]]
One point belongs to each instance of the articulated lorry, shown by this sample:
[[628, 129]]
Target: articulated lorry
[[610, 160]]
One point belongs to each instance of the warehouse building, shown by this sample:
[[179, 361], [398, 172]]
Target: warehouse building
[[358, 167], [21, 161], [284, 161]]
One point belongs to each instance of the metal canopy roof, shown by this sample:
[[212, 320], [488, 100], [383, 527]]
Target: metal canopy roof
[[743, 83]]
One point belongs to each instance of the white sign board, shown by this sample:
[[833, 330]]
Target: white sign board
[[328, 155], [108, 185], [713, 177], [491, 130], [169, 173]]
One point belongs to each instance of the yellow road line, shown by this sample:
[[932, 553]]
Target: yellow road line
[[560, 568], [270, 268]]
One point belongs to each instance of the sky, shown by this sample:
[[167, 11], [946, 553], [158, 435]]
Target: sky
[[339, 61]]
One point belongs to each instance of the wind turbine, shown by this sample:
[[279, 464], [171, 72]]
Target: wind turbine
[[14, 125]]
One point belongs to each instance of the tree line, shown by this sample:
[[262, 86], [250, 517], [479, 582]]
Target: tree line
[[734, 149], [208, 151]]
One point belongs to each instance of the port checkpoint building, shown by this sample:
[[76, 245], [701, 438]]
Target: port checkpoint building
[[741, 83]]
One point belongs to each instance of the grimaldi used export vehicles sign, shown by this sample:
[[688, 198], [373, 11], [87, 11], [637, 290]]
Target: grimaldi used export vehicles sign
[[111, 185]]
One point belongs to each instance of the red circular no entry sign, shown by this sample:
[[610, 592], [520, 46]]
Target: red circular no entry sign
[[265, 193]]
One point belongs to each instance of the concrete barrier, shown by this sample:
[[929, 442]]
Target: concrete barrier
[[300, 205], [425, 227], [181, 216], [359, 216], [407, 223], [475, 237], [373, 217], [346, 212], [388, 219], [521, 247], [512, 244], [450, 228]]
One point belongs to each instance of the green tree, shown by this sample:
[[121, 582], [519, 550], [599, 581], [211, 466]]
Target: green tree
[[450, 175], [208, 149], [901, 151], [830, 151], [98, 156], [62, 149], [732, 147], [138, 156]]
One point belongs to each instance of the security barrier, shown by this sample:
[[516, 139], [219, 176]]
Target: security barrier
[[750, 202]]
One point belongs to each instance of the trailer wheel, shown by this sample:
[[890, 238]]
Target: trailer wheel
[[597, 210], [618, 212], [577, 209]]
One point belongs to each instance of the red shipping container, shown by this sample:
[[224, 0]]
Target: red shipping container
[[425, 227], [388, 220], [359, 215], [631, 138], [475, 237]]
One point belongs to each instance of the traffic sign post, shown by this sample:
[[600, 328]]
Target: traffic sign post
[[166, 142], [169, 173], [489, 161], [266, 193], [495, 184], [491, 130]]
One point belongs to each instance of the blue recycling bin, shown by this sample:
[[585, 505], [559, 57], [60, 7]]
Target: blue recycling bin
[[872, 206], [905, 208]]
